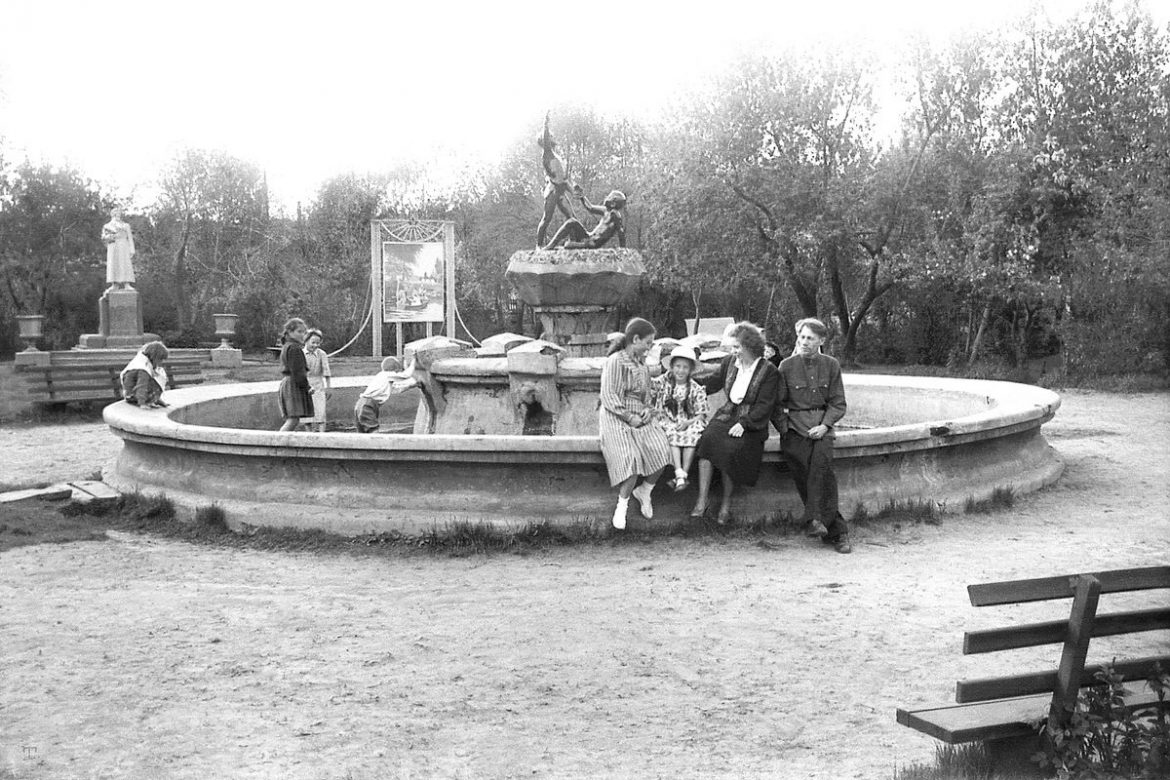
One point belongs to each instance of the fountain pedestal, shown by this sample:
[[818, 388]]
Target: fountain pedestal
[[575, 292]]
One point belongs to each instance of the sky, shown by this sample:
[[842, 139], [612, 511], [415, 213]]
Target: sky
[[308, 91]]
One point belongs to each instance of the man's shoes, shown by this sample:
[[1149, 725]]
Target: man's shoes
[[642, 493], [842, 544], [817, 528]]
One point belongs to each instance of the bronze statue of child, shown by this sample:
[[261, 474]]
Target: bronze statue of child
[[573, 235]]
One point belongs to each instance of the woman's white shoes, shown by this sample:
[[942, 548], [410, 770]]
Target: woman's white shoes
[[642, 493], [619, 513]]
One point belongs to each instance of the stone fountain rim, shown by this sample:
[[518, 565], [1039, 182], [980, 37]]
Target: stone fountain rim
[[1015, 407]]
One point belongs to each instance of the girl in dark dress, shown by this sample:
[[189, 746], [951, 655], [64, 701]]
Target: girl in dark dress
[[295, 397], [733, 440]]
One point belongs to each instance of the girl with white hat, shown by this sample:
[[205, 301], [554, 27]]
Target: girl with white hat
[[681, 405]]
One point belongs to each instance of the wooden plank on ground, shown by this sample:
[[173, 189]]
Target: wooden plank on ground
[[1019, 591], [88, 491], [1054, 631], [50, 493], [987, 688]]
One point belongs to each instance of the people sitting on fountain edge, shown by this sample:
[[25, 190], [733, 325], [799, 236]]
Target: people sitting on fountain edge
[[810, 400], [573, 235], [387, 381], [144, 378], [733, 441]]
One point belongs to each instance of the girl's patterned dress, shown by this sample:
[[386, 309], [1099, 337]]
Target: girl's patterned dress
[[677, 404]]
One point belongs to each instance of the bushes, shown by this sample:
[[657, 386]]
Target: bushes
[[1104, 740]]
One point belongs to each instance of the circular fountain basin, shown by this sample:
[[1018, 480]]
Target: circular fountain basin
[[911, 439]]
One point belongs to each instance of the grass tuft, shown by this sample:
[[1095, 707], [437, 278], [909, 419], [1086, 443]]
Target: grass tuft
[[914, 511], [952, 762], [1001, 498], [212, 518]]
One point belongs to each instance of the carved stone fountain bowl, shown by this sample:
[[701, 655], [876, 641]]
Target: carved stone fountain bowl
[[912, 439]]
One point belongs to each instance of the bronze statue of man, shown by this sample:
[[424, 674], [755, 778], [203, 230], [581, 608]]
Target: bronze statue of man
[[573, 235], [556, 187]]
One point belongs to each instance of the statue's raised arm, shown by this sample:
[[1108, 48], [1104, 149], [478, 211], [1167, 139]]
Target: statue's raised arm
[[556, 188]]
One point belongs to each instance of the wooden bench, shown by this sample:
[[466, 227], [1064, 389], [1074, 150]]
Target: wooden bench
[[96, 380], [1007, 713]]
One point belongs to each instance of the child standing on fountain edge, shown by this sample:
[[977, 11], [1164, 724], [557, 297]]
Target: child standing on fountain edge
[[294, 398], [317, 363], [681, 409]]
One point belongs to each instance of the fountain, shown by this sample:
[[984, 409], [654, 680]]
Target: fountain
[[506, 434]]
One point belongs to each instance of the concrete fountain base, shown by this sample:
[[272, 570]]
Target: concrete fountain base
[[924, 439]]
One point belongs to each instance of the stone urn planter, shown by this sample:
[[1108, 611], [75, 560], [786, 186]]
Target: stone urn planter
[[32, 327], [225, 328]]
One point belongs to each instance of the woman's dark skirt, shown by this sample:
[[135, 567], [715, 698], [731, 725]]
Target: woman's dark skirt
[[294, 401], [737, 458]]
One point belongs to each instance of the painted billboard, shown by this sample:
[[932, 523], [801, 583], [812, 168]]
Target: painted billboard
[[412, 282]]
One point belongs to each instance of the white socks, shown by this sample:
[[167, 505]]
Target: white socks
[[619, 514], [642, 493]]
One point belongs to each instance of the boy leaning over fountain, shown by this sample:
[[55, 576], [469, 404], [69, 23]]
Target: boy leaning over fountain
[[385, 382], [809, 402]]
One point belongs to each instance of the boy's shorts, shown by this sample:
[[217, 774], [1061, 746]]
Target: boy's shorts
[[365, 415]]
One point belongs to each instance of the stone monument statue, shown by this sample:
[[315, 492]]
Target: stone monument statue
[[119, 250], [119, 309], [573, 235], [556, 188]]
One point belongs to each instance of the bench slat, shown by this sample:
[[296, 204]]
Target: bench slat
[[58, 377], [1017, 717], [1042, 589], [1053, 631], [185, 365], [96, 383], [984, 689]]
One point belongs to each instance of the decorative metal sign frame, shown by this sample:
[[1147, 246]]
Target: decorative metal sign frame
[[384, 235]]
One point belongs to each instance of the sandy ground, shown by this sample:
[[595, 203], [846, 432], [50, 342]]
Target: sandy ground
[[145, 658]]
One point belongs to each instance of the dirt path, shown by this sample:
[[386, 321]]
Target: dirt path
[[143, 658]]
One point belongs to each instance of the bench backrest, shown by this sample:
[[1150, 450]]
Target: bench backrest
[[1082, 625], [74, 381]]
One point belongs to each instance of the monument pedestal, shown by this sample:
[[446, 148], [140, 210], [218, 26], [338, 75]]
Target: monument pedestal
[[119, 322], [226, 357]]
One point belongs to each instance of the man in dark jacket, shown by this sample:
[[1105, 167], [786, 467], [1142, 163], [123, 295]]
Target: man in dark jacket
[[810, 401]]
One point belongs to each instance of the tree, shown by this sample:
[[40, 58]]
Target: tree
[[51, 254], [211, 233], [1086, 121]]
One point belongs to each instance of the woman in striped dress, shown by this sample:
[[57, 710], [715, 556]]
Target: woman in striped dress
[[632, 445]]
